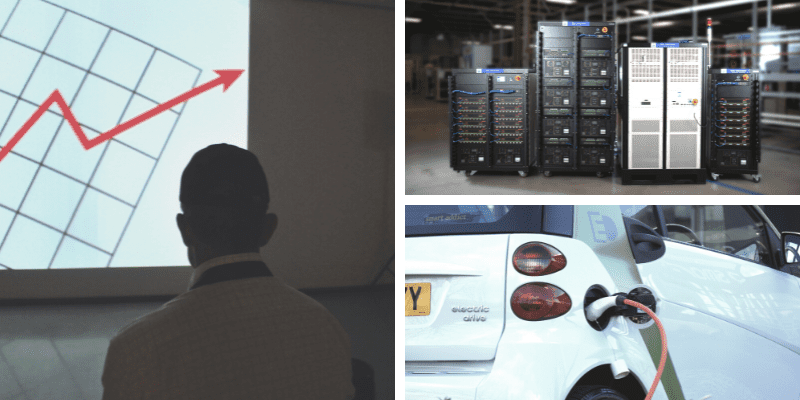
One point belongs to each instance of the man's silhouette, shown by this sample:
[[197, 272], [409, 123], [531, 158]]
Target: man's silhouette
[[238, 332]]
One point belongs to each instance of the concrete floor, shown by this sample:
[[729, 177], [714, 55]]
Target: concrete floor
[[428, 167]]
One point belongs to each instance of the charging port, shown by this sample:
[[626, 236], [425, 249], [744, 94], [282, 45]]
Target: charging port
[[595, 293]]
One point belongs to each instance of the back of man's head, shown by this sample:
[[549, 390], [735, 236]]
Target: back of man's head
[[224, 196]]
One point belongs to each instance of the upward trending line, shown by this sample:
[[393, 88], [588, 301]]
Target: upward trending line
[[226, 78]]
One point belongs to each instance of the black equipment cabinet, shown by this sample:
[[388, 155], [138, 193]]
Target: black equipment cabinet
[[733, 145], [489, 119], [575, 117]]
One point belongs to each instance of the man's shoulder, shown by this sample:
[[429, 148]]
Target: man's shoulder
[[286, 299], [282, 298], [141, 326]]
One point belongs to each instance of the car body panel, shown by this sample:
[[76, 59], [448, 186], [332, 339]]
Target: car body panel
[[716, 358], [461, 278], [544, 362], [555, 350], [747, 294]]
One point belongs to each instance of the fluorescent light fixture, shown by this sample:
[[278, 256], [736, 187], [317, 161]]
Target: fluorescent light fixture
[[785, 6], [686, 10], [562, 1], [641, 12], [639, 38], [505, 27], [661, 24], [413, 20]]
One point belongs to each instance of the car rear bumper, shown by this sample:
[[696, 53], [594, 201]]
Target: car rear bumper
[[440, 387], [454, 380]]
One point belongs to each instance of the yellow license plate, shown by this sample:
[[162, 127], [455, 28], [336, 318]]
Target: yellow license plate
[[418, 299]]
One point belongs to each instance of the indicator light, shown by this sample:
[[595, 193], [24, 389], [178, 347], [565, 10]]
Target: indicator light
[[539, 301], [537, 259]]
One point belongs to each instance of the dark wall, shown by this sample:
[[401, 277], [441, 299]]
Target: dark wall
[[321, 121]]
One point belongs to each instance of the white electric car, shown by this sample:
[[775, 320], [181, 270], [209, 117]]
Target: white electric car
[[496, 297]]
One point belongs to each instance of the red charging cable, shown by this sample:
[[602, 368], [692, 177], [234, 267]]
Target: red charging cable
[[663, 344]]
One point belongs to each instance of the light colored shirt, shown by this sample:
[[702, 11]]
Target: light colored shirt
[[253, 338], [215, 262]]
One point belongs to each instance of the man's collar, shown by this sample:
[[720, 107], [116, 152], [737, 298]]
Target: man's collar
[[214, 262]]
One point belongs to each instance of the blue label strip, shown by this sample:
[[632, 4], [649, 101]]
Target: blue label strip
[[492, 71], [735, 71], [574, 23], [667, 44]]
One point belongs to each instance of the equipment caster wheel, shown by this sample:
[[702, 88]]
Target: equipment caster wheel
[[757, 178], [600, 174], [548, 174], [714, 177], [523, 173], [469, 173]]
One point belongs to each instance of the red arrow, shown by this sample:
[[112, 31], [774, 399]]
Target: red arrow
[[226, 78]]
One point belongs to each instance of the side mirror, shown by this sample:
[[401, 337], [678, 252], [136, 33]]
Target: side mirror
[[790, 241]]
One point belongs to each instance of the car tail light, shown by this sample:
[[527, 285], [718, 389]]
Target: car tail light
[[539, 301], [537, 259]]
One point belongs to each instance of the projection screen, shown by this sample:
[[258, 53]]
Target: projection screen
[[102, 104]]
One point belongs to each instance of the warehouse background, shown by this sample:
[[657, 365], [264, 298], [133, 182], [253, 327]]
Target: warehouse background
[[443, 35]]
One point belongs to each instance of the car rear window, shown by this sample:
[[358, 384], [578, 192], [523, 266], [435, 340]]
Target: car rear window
[[430, 215], [455, 220]]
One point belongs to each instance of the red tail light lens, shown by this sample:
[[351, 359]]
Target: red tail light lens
[[539, 301], [537, 259]]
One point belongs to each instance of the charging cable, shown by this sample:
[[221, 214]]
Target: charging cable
[[663, 361], [600, 306]]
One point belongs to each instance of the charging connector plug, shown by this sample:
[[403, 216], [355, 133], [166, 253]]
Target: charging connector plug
[[616, 303], [626, 310]]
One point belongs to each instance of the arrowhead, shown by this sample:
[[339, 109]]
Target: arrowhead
[[227, 76]]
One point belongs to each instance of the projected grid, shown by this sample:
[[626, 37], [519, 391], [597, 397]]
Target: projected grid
[[62, 206]]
